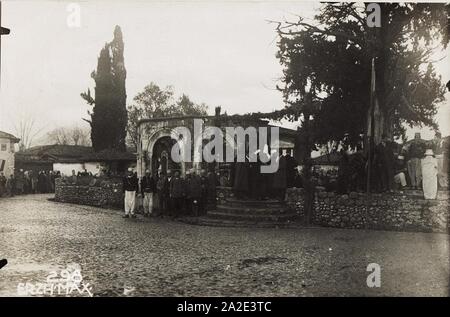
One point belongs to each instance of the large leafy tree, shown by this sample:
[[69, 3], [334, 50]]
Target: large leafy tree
[[156, 102], [327, 69], [327, 74], [109, 115]]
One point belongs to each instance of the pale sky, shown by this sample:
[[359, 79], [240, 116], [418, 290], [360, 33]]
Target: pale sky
[[219, 53]]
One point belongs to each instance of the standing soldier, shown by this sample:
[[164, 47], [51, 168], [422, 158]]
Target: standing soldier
[[10, 185], [439, 151], [188, 198], [2, 184], [130, 187], [415, 152], [204, 195], [177, 194], [279, 182], [20, 182], [163, 187], [34, 182], [194, 193], [148, 188], [168, 203], [160, 192], [211, 194]]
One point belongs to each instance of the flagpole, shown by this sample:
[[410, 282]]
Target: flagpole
[[372, 128]]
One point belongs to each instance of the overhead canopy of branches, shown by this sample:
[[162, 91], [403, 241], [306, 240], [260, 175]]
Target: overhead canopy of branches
[[327, 68]]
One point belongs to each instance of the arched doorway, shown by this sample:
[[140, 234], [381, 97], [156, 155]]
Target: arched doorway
[[161, 160]]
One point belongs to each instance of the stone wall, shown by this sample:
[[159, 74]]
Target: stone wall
[[295, 200], [406, 211], [99, 193]]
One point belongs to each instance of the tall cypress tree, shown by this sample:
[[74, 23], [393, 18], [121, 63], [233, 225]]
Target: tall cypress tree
[[109, 116]]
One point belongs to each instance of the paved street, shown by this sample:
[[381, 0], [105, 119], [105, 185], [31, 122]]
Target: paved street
[[154, 257]]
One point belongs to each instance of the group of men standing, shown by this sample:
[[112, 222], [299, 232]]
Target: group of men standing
[[167, 194], [28, 182], [419, 164], [250, 182]]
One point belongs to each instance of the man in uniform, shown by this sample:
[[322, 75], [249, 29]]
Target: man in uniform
[[438, 146], [194, 193], [204, 196], [130, 187], [177, 194], [148, 189], [415, 151], [2, 184]]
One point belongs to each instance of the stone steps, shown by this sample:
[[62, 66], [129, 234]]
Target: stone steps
[[250, 217], [207, 221], [252, 210], [246, 213], [270, 203]]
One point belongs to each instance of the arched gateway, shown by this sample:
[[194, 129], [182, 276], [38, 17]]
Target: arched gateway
[[158, 135]]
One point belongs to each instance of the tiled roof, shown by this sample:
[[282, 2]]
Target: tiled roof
[[72, 154], [58, 151], [327, 159], [5, 135]]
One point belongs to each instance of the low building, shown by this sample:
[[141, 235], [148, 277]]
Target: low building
[[66, 158], [7, 153], [327, 162], [43, 158]]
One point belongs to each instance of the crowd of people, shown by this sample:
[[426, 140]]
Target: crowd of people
[[28, 182], [250, 182], [417, 164], [169, 194]]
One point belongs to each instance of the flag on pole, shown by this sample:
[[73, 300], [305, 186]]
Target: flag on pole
[[372, 100], [370, 129]]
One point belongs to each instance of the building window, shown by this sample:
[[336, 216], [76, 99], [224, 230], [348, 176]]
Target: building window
[[3, 147]]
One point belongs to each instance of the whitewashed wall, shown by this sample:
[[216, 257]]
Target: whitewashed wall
[[8, 156]]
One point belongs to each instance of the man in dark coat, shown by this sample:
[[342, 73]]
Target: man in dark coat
[[42, 182], [241, 179], [194, 193], [130, 187], [204, 196], [211, 194], [254, 178], [10, 185], [2, 184], [343, 178], [162, 188], [187, 198], [279, 183], [177, 194], [384, 164], [415, 151], [148, 190], [264, 179], [291, 169]]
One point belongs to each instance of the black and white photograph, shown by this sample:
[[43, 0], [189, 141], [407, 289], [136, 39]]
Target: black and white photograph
[[216, 149]]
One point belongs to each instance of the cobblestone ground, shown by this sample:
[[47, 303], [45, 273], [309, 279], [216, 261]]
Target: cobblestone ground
[[155, 257]]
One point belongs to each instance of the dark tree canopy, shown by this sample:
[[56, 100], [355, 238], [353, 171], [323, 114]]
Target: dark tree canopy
[[327, 68], [109, 115]]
